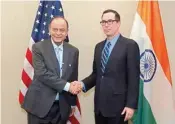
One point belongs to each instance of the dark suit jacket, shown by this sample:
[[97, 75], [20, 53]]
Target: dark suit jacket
[[118, 86], [47, 82]]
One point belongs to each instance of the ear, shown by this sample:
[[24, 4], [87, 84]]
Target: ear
[[49, 29], [67, 32], [118, 24]]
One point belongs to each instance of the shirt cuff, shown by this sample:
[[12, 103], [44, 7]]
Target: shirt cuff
[[84, 88], [73, 106], [66, 87]]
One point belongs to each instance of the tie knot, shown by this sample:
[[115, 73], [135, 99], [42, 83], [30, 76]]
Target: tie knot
[[58, 49], [109, 44]]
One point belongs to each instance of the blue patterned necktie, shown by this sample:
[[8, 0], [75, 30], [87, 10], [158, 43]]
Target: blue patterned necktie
[[105, 56]]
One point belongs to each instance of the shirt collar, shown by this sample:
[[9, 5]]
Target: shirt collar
[[60, 47], [113, 41]]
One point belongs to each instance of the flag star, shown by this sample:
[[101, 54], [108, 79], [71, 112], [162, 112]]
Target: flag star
[[36, 30], [60, 10], [45, 14], [47, 6], [48, 33], [51, 16], [53, 7], [39, 13], [37, 21], [40, 4], [42, 39], [43, 31], [44, 23]]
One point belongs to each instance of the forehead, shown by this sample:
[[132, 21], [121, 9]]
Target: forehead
[[108, 16], [58, 22]]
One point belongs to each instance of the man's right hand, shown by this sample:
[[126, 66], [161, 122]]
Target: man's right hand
[[75, 87]]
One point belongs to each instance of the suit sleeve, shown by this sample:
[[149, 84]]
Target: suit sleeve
[[76, 65], [75, 75], [133, 74], [43, 74], [90, 81]]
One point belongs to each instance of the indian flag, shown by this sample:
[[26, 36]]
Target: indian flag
[[156, 95]]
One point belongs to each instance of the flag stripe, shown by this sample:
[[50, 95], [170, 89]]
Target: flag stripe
[[29, 56], [21, 97], [23, 88], [153, 19], [77, 114], [28, 68], [73, 120], [78, 105], [144, 113], [31, 42], [26, 78]]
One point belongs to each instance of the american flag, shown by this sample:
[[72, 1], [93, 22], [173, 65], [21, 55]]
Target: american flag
[[46, 11]]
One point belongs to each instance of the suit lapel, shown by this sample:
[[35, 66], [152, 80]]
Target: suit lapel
[[101, 49], [99, 54], [114, 51], [65, 58], [52, 55]]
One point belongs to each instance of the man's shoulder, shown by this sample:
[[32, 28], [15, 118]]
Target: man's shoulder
[[128, 41], [41, 43], [71, 47], [100, 43]]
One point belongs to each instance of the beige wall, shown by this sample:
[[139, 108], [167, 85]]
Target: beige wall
[[85, 32]]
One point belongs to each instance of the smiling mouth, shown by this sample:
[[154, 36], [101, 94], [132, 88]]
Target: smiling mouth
[[58, 37]]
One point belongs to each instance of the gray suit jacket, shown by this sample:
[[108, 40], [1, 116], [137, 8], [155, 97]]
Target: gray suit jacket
[[47, 82]]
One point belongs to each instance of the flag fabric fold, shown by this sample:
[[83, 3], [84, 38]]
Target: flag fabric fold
[[156, 105]]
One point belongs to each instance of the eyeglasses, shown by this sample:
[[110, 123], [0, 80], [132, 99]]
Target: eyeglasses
[[109, 22]]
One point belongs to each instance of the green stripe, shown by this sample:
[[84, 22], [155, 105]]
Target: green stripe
[[143, 114]]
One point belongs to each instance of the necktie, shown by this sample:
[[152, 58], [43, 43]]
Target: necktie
[[105, 56], [58, 58]]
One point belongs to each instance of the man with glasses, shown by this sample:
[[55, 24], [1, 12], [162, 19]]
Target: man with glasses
[[115, 74]]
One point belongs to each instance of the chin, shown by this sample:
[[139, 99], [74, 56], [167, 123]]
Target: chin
[[108, 35], [58, 41]]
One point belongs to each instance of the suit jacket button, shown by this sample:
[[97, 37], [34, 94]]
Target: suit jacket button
[[102, 76]]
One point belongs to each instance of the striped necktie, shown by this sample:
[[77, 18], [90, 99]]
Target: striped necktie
[[105, 56]]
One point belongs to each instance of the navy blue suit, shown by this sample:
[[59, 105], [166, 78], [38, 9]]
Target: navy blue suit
[[118, 86]]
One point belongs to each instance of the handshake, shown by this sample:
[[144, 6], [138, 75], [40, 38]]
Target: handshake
[[75, 87]]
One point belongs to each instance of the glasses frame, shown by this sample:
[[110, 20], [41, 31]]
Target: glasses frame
[[109, 22]]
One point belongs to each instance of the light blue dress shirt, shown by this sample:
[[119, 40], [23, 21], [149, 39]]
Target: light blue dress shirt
[[113, 42], [59, 55]]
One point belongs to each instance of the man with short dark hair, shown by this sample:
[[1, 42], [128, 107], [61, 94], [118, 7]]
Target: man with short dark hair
[[115, 74]]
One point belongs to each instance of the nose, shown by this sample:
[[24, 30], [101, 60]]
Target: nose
[[106, 24], [58, 32]]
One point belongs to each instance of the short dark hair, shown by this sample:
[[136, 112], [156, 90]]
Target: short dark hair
[[56, 17], [117, 15]]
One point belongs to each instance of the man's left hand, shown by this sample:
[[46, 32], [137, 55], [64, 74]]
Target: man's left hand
[[129, 112]]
